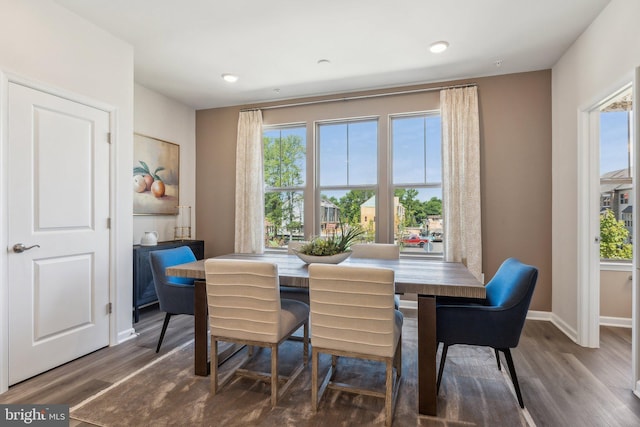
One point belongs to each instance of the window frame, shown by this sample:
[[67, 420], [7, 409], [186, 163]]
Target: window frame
[[426, 185], [283, 189], [384, 187], [318, 189]]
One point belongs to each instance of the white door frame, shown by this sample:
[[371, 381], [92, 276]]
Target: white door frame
[[635, 311], [588, 250], [5, 79], [588, 322]]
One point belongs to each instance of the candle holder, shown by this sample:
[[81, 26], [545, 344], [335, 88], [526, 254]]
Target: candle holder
[[183, 223]]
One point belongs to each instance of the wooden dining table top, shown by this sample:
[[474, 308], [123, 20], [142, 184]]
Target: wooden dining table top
[[412, 275]]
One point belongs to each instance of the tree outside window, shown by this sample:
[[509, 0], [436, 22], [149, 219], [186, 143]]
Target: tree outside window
[[614, 237], [284, 174]]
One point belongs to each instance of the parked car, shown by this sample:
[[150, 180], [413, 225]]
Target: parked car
[[436, 237], [415, 240]]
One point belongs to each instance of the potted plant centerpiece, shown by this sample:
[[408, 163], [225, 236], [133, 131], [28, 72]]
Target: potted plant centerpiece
[[332, 249]]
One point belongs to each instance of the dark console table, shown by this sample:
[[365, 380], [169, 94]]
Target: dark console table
[[144, 291]]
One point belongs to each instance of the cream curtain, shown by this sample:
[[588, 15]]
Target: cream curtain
[[461, 177], [249, 184]]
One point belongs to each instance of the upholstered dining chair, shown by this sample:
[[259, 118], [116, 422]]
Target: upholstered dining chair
[[292, 292], [175, 294], [353, 315], [495, 322], [245, 308], [377, 251]]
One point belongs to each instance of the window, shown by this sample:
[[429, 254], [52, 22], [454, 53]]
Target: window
[[346, 157], [624, 198], [348, 174], [284, 174], [417, 182], [616, 186]]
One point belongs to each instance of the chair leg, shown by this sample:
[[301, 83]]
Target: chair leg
[[514, 377], [443, 358], [274, 374], [498, 358], [164, 329], [398, 358], [214, 366], [314, 380], [305, 342], [388, 396]]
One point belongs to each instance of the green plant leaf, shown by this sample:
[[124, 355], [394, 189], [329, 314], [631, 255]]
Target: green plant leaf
[[155, 173], [139, 171], [145, 167]]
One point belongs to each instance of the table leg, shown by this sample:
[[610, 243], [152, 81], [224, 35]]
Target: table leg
[[427, 347], [201, 356]]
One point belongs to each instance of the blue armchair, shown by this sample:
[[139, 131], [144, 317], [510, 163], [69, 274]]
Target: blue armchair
[[496, 321], [175, 294]]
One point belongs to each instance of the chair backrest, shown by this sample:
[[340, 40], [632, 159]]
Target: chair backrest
[[295, 245], [244, 299], [510, 290], [159, 261], [499, 321], [512, 284], [375, 250], [352, 309]]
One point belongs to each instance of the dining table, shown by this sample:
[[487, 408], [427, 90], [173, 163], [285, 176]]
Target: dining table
[[427, 278]]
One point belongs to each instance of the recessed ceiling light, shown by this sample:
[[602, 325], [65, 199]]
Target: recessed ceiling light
[[231, 78], [438, 47], [323, 61]]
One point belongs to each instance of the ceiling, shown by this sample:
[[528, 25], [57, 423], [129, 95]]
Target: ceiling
[[182, 47]]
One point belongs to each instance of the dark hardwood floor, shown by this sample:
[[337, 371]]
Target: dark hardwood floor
[[563, 384]]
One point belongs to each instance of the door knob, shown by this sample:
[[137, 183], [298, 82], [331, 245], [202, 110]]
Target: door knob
[[19, 247]]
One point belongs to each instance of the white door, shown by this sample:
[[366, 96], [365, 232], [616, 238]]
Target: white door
[[58, 202]]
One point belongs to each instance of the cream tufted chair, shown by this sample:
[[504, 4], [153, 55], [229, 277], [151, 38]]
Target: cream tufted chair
[[377, 251], [245, 308], [353, 315], [291, 292]]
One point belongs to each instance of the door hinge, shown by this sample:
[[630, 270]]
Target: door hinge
[[110, 308], [109, 223], [109, 137]]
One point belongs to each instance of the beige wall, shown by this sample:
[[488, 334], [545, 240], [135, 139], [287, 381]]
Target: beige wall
[[515, 117], [164, 118], [615, 294], [599, 62]]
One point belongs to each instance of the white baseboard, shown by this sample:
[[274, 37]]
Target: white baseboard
[[127, 335], [620, 322], [539, 315], [564, 327]]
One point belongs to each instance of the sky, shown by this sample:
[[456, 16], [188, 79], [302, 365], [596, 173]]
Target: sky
[[613, 141], [413, 162]]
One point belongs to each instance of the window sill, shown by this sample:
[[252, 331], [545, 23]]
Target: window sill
[[616, 266]]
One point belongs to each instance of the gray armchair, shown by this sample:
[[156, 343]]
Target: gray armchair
[[175, 294], [495, 322]]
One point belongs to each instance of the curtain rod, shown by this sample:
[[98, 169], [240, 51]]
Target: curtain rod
[[352, 98]]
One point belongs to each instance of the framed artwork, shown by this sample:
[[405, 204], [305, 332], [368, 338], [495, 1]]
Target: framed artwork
[[156, 176]]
